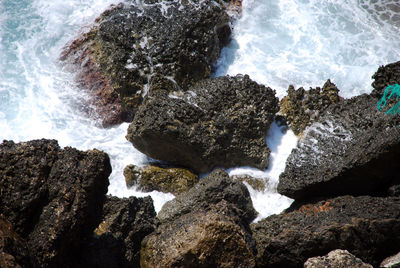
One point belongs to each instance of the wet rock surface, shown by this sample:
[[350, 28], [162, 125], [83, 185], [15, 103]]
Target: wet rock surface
[[53, 197], [352, 149], [208, 226], [154, 178], [368, 227], [338, 259], [385, 76], [117, 240], [218, 122], [301, 108], [132, 42]]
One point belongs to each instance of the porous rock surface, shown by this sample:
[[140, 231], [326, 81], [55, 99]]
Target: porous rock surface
[[385, 76], [219, 122], [53, 197], [337, 258], [208, 226], [352, 149], [154, 178], [301, 108], [117, 240], [136, 40], [368, 227]]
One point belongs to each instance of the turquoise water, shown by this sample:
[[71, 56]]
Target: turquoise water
[[276, 42]]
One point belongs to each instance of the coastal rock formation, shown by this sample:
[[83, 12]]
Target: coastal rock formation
[[154, 178], [352, 149], [338, 259], [117, 240], [368, 227], [385, 76], [391, 262], [301, 108], [133, 41], [219, 122], [208, 226], [53, 197]]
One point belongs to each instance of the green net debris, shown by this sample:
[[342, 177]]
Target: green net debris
[[390, 91]]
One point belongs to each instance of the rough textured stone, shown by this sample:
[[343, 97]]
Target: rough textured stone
[[218, 122], [132, 42], [117, 240], [154, 178], [352, 149], [368, 227], [215, 188], [392, 262], [208, 226], [386, 75], [259, 184], [338, 259], [13, 249], [301, 108], [52, 196]]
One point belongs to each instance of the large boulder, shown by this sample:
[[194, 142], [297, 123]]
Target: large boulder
[[134, 41], [385, 76], [117, 240], [154, 178], [218, 122], [352, 149], [337, 258], [301, 108], [368, 227], [208, 226], [53, 197]]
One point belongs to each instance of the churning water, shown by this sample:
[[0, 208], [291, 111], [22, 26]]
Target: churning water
[[276, 42]]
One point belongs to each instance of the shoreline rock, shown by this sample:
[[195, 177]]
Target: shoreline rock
[[219, 122], [337, 258]]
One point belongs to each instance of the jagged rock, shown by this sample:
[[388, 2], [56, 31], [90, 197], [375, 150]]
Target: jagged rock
[[218, 122], [352, 149], [117, 240], [14, 252], [338, 259], [259, 184], [133, 41], [154, 178], [208, 226], [301, 108], [53, 197], [368, 227], [391, 262], [385, 76]]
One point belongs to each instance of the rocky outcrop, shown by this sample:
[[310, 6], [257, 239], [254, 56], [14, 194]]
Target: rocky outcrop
[[53, 197], [301, 108], [218, 122], [352, 149], [118, 238], [132, 42], [208, 226], [368, 227], [154, 178], [338, 259], [14, 252], [385, 76], [391, 262]]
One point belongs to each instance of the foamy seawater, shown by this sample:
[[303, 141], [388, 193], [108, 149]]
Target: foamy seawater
[[276, 42]]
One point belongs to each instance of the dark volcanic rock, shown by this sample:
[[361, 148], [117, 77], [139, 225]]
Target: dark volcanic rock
[[385, 76], [208, 226], [14, 251], [352, 149], [338, 259], [368, 227], [117, 240], [302, 107], [154, 178], [52, 196], [132, 42], [218, 122]]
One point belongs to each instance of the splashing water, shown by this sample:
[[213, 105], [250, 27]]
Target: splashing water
[[276, 42]]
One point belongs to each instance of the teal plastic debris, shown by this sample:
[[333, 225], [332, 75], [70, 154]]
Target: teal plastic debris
[[392, 91]]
